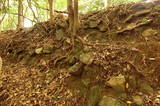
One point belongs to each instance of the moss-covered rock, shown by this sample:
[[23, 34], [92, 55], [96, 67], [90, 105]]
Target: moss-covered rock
[[138, 100], [145, 87], [117, 83], [110, 101], [94, 95], [86, 58]]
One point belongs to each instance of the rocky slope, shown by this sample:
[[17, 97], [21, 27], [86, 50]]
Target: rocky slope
[[115, 60]]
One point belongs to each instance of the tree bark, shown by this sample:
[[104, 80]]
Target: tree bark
[[71, 14], [20, 14], [0, 64], [51, 9], [76, 17]]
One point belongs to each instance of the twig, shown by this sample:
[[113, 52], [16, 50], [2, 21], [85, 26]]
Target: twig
[[24, 17], [30, 6]]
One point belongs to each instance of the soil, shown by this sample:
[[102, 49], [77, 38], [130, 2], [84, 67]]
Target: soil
[[115, 60]]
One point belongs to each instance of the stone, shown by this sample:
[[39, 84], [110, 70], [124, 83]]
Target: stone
[[76, 69], [138, 100], [86, 58], [60, 34], [109, 101], [94, 23], [117, 83], [149, 32], [38, 50], [94, 95]]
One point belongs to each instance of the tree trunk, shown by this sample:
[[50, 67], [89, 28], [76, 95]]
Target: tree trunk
[[76, 17], [105, 3], [71, 14], [20, 14], [0, 64], [51, 9]]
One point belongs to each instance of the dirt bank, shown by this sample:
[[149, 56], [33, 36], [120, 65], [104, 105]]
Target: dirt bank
[[115, 60]]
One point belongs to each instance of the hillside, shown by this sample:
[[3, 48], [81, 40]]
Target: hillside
[[115, 60]]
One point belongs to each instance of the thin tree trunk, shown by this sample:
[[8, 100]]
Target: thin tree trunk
[[20, 15], [76, 17], [108, 2], [1, 22], [51, 9], [71, 14]]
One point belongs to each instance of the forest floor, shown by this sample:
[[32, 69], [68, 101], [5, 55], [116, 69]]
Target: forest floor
[[115, 60]]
